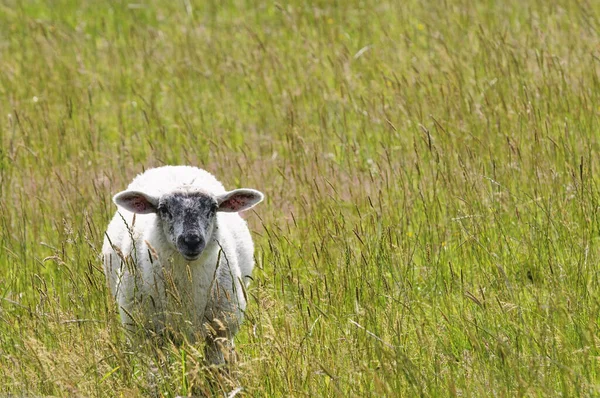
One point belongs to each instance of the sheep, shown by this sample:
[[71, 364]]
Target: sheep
[[177, 257]]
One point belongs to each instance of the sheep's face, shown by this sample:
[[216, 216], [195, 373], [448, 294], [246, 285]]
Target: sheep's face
[[188, 221], [188, 217]]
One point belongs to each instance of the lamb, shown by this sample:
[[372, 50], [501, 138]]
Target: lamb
[[178, 257]]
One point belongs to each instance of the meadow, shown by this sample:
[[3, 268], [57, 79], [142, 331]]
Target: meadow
[[431, 224]]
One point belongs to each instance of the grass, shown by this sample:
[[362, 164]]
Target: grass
[[432, 218]]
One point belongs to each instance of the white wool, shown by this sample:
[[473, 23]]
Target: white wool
[[165, 179]]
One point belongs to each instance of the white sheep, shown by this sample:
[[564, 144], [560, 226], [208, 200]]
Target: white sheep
[[177, 257]]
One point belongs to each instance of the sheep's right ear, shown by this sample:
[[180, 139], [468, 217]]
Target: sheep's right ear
[[136, 202]]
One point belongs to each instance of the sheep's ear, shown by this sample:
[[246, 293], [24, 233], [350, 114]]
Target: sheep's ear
[[136, 202], [239, 199]]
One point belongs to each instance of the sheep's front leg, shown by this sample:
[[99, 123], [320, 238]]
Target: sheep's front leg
[[223, 316], [218, 350]]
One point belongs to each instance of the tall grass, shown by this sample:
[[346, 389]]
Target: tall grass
[[431, 225]]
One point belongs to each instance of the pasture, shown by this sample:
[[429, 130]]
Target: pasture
[[431, 224]]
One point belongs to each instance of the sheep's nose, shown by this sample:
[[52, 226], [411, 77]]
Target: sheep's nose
[[191, 242]]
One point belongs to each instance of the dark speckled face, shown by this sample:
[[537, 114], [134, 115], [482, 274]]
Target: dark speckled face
[[188, 220]]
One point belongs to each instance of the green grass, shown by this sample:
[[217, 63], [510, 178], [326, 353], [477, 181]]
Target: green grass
[[431, 169]]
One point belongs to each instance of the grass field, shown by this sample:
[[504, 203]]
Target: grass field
[[432, 222]]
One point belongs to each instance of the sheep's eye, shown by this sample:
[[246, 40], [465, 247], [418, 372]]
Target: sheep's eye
[[164, 211]]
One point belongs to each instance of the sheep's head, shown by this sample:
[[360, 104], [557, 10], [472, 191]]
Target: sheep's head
[[187, 217]]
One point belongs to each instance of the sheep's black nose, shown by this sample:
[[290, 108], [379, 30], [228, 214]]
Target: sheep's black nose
[[191, 242]]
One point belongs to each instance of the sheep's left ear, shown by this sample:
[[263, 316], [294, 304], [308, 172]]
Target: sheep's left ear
[[239, 199]]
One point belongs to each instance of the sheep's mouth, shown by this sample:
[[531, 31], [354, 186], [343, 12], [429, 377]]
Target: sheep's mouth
[[191, 256]]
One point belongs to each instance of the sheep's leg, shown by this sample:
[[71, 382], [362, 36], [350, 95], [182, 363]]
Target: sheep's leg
[[220, 329], [218, 350], [223, 317]]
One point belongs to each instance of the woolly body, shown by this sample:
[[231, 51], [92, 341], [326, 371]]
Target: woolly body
[[154, 285]]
